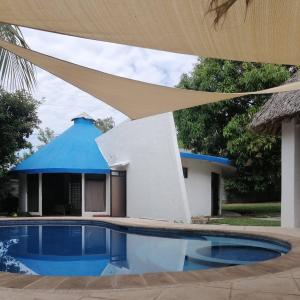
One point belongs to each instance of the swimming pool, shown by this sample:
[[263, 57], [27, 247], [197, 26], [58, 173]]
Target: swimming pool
[[87, 248]]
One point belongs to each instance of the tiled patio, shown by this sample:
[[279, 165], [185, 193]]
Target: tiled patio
[[275, 279]]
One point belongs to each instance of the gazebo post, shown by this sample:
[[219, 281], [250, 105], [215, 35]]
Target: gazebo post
[[290, 181], [82, 193], [40, 194]]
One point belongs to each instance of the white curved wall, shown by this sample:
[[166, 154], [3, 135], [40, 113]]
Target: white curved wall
[[155, 183]]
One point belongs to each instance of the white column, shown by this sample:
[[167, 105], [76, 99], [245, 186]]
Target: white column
[[40, 194], [290, 170], [108, 191], [23, 192], [82, 194]]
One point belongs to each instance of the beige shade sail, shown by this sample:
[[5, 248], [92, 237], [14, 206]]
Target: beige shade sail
[[268, 31], [134, 98]]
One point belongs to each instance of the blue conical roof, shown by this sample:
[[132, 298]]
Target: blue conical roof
[[74, 151]]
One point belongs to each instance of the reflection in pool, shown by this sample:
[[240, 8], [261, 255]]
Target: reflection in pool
[[101, 250]]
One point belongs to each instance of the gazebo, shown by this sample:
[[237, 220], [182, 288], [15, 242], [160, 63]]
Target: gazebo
[[281, 115], [68, 176]]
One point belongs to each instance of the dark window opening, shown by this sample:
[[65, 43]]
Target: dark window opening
[[185, 172], [33, 192]]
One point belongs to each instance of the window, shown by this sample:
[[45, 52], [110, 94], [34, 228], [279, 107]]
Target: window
[[185, 172]]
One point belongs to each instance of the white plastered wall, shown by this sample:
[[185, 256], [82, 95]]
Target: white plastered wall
[[198, 185], [290, 179], [155, 183]]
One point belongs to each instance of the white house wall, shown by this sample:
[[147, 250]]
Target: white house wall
[[198, 185], [155, 183]]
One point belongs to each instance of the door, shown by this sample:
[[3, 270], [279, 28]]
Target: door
[[118, 193], [95, 193], [215, 194]]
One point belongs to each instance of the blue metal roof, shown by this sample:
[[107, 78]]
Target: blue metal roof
[[209, 158], [74, 151]]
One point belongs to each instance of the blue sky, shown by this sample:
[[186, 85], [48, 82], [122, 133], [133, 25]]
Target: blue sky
[[62, 101]]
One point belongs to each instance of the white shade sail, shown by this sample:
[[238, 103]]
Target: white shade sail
[[268, 31], [134, 98]]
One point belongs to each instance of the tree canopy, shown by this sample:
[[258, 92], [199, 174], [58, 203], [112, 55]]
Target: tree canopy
[[105, 124], [18, 119], [45, 136], [222, 128]]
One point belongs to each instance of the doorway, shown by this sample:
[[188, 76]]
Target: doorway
[[215, 194], [118, 193], [61, 194]]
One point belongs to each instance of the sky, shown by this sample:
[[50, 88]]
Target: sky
[[62, 101]]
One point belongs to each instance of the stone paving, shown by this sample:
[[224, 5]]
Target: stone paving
[[275, 279]]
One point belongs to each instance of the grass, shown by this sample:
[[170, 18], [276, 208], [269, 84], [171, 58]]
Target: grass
[[254, 209], [245, 221], [251, 214]]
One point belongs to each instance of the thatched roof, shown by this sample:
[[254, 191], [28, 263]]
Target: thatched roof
[[279, 107]]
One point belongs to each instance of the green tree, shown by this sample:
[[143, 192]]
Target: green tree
[[203, 128], [256, 156], [18, 119], [25, 153], [105, 124], [15, 72], [45, 136]]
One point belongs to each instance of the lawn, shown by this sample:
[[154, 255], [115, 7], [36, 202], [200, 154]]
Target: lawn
[[245, 221], [254, 209], [251, 214]]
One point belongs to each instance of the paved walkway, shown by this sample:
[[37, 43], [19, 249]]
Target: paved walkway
[[274, 286]]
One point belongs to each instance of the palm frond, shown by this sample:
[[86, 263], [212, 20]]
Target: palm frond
[[15, 72]]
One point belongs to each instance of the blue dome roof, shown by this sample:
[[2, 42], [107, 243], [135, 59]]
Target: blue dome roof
[[74, 151]]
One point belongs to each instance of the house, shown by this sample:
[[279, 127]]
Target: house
[[135, 169], [281, 116]]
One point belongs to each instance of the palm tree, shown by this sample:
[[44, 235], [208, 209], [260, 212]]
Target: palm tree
[[15, 72], [221, 7]]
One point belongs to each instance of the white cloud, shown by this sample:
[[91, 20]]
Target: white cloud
[[63, 101]]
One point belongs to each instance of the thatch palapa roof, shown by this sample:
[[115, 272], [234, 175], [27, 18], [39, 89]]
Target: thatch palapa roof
[[279, 107]]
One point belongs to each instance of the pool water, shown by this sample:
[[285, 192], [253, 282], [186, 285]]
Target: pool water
[[84, 249]]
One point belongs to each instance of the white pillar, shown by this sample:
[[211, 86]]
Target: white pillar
[[82, 194], [107, 191], [290, 172], [22, 192], [40, 194]]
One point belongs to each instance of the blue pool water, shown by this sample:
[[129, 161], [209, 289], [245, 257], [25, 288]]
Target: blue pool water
[[98, 249]]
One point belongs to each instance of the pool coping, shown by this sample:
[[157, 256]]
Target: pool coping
[[277, 265]]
